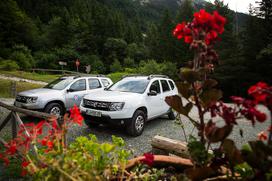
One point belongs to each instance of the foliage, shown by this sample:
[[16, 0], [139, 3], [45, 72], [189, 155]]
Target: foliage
[[22, 55], [152, 67], [115, 66], [9, 65]]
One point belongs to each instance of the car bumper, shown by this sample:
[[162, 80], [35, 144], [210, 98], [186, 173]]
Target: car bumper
[[34, 106], [123, 114]]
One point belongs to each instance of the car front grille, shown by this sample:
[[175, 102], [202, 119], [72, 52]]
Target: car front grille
[[22, 99], [97, 105]]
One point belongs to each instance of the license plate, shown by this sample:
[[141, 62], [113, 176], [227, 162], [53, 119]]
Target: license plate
[[93, 113]]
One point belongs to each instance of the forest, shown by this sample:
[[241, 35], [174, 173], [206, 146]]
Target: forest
[[132, 36]]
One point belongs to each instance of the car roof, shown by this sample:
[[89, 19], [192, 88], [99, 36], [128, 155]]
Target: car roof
[[146, 77], [84, 76]]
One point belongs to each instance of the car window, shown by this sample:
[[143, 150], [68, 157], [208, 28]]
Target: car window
[[165, 86], [105, 82], [171, 84], [130, 85], [94, 84], [79, 85], [59, 84], [155, 86]]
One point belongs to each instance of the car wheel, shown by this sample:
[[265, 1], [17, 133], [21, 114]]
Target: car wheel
[[137, 123], [171, 115], [55, 109]]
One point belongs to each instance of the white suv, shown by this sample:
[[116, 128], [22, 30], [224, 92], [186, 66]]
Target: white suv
[[61, 94], [130, 102]]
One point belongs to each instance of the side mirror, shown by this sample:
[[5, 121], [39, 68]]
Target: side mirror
[[152, 93], [70, 90]]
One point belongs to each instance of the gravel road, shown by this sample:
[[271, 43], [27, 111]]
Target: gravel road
[[160, 126]]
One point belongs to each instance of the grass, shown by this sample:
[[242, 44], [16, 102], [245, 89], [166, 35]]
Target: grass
[[31, 76], [5, 87]]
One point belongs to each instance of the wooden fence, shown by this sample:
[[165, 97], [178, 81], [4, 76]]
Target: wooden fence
[[16, 121]]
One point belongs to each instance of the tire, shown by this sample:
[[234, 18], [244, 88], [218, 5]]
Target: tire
[[55, 109], [136, 124], [171, 115]]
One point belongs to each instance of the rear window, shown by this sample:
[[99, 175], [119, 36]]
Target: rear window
[[165, 86], [171, 84]]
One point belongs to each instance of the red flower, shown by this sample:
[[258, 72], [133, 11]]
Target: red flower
[[262, 136], [261, 117], [237, 100], [49, 144], [148, 159], [218, 22], [25, 164], [202, 17], [76, 116], [258, 92], [188, 39], [6, 160], [12, 148], [178, 31]]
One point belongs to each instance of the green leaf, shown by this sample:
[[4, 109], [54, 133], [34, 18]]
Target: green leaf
[[210, 96], [215, 134], [106, 147], [184, 89], [244, 170], [232, 153], [189, 75], [175, 102]]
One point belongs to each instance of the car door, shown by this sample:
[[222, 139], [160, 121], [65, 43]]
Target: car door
[[166, 91], [76, 92], [154, 102]]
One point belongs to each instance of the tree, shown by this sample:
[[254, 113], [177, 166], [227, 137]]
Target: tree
[[22, 55]]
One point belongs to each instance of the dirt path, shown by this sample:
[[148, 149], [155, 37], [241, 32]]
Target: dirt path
[[17, 79]]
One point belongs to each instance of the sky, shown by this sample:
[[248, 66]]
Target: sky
[[240, 5]]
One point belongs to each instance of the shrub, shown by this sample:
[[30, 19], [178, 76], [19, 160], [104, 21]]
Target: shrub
[[22, 55], [9, 65], [129, 62], [115, 66]]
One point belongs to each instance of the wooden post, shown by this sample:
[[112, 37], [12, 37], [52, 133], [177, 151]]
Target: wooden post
[[13, 126], [13, 89]]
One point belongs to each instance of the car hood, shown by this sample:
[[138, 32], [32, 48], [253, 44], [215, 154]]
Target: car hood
[[111, 96], [40, 92]]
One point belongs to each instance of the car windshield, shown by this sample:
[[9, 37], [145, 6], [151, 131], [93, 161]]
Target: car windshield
[[59, 84], [128, 85]]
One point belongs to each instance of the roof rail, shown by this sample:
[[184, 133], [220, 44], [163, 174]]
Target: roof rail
[[157, 76], [83, 75], [133, 75]]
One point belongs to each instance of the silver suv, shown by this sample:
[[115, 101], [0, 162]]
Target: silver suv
[[61, 94]]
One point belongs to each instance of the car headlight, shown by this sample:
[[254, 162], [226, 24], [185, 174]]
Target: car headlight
[[31, 100], [116, 106]]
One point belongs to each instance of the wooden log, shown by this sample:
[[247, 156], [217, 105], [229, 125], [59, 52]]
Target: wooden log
[[13, 127], [20, 123], [28, 112], [171, 146]]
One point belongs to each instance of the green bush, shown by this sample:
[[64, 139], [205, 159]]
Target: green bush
[[115, 66], [152, 67], [9, 65], [22, 55], [129, 62]]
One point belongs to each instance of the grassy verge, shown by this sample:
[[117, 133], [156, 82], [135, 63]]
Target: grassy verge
[[31, 76], [5, 87]]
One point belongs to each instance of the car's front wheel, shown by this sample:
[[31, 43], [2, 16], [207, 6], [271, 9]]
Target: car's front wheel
[[137, 123], [54, 109], [171, 115]]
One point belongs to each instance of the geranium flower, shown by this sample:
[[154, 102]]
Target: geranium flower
[[76, 116], [258, 92], [148, 159], [11, 148], [262, 136]]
